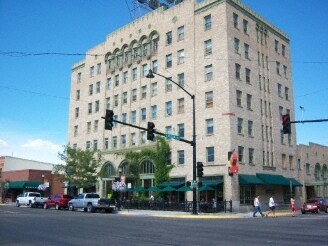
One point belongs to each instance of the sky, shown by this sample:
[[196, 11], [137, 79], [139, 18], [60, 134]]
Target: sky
[[40, 40]]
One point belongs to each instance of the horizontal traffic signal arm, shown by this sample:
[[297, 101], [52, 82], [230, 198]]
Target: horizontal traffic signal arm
[[145, 129]]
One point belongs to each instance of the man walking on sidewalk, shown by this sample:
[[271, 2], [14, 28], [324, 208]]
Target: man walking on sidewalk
[[257, 207]]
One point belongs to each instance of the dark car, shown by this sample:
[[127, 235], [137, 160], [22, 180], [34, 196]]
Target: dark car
[[323, 205], [310, 206], [58, 201]]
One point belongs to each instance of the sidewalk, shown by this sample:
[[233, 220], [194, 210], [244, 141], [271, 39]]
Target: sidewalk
[[186, 215]]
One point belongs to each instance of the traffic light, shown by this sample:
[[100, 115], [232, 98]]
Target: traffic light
[[200, 169], [286, 124], [150, 131], [109, 120]]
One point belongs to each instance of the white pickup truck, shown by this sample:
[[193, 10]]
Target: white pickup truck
[[91, 202], [31, 199]]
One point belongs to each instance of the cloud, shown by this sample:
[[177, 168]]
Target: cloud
[[3, 143], [39, 144]]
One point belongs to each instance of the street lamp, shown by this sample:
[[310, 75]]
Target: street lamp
[[193, 142]]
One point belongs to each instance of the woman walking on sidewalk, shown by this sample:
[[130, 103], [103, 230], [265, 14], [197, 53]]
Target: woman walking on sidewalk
[[293, 206], [272, 207], [257, 206]]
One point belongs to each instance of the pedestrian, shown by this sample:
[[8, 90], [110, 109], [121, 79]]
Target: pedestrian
[[272, 207], [257, 206], [293, 206]]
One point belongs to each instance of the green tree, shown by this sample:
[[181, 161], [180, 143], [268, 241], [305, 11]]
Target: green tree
[[80, 168]]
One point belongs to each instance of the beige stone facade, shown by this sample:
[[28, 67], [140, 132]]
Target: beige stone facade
[[312, 162], [235, 63]]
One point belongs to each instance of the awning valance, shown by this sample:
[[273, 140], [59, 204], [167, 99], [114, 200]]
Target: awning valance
[[294, 182], [24, 184], [247, 179], [273, 179]]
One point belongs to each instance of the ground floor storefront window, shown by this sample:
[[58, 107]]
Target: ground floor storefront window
[[247, 194]]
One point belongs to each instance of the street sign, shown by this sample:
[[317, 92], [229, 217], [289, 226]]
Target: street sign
[[171, 136]]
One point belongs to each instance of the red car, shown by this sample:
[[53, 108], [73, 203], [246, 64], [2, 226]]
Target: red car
[[57, 201], [310, 206]]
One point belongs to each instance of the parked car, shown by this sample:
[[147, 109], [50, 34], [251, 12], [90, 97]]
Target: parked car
[[310, 206], [323, 204], [31, 199], [91, 202], [57, 201]]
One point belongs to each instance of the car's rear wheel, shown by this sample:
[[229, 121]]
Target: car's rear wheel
[[45, 206], [90, 208], [17, 204]]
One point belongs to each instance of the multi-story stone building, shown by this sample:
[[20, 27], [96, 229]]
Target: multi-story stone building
[[312, 161], [237, 65]]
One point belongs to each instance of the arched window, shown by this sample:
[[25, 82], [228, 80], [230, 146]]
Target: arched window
[[324, 172], [108, 170], [147, 167], [317, 170], [124, 168]]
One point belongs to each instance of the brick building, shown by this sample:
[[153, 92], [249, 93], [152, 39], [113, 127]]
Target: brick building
[[237, 65]]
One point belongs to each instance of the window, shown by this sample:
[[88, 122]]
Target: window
[[88, 145], [76, 130], [240, 125], [180, 56], [117, 80], [279, 90], [307, 167], [115, 100], [235, 20], [250, 155], [246, 48], [144, 70], [77, 112], [144, 92], [180, 33], [287, 93], [237, 68], [155, 66], [143, 114], [168, 60], [98, 87], [90, 90], [108, 103], [133, 139], [123, 141], [88, 127], [276, 44], [250, 128], [125, 77], [99, 68], [236, 45], [181, 130], [285, 71], [92, 71], [168, 129], [89, 108], [210, 154], [209, 99], [249, 101], [209, 127], [278, 67], [154, 89], [168, 85], [95, 144], [115, 123], [154, 112], [78, 95], [114, 142], [125, 98], [180, 157], [283, 50], [106, 143], [79, 76], [181, 79], [134, 74], [97, 106], [208, 72], [291, 162], [180, 106], [247, 194], [134, 95], [168, 108], [207, 22], [109, 83], [248, 75], [133, 117], [239, 98], [245, 26], [208, 47], [241, 154], [283, 161], [124, 118], [169, 38]]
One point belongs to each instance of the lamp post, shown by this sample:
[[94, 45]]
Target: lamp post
[[193, 142]]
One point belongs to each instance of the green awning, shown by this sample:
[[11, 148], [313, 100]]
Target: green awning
[[211, 182], [294, 182], [24, 184], [184, 188], [205, 188], [139, 189], [172, 183], [168, 188], [273, 179], [153, 188], [247, 179]]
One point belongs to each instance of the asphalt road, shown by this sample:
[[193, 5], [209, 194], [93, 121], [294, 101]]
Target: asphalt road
[[28, 226]]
